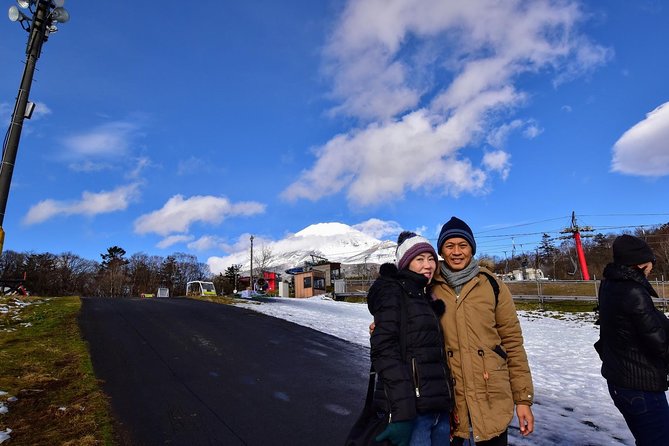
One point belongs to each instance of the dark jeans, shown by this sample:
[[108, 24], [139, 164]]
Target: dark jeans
[[501, 440], [646, 414]]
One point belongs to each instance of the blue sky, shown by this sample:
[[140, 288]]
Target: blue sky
[[165, 127]]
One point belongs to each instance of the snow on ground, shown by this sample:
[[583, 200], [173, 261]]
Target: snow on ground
[[572, 405], [4, 435]]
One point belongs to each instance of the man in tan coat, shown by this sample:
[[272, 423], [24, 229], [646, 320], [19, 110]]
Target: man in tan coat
[[484, 344]]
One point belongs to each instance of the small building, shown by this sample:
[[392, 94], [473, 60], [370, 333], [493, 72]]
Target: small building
[[332, 272], [309, 283]]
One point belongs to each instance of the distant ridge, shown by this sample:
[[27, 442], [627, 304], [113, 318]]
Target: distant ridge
[[334, 241]]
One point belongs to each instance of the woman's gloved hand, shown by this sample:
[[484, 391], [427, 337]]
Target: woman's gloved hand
[[398, 433]]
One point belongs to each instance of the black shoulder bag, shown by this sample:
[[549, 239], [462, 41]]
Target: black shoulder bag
[[371, 423]]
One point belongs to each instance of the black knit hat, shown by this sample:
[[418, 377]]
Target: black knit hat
[[456, 228], [630, 250]]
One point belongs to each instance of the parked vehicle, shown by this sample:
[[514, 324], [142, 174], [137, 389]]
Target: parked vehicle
[[200, 288]]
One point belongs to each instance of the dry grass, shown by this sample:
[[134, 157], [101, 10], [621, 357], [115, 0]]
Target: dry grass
[[45, 366], [553, 288]]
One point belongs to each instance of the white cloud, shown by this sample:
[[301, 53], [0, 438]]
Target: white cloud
[[421, 231], [5, 113], [89, 166], [378, 228], [380, 161], [90, 204], [207, 242], [178, 213], [141, 164], [498, 137], [529, 129], [239, 252], [498, 161], [532, 131], [643, 149], [427, 78], [173, 240], [108, 140], [193, 166]]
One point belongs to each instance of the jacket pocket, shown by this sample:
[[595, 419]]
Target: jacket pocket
[[500, 351]]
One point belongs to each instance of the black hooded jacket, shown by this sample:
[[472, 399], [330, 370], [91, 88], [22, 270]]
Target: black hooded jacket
[[634, 335], [420, 383]]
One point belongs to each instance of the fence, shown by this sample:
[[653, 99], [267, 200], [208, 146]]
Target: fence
[[351, 287], [583, 290], [541, 290]]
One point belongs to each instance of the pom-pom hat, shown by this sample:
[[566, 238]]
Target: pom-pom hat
[[409, 245]]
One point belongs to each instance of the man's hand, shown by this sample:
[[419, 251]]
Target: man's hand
[[525, 419], [371, 328]]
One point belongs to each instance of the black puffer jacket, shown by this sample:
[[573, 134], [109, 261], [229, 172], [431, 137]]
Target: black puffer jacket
[[634, 335], [421, 383]]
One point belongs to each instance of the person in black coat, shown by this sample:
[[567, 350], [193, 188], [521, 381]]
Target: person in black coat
[[412, 368], [634, 342]]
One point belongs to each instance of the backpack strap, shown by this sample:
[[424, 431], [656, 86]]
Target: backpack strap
[[493, 284]]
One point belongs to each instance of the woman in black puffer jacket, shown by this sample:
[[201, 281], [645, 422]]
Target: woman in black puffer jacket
[[634, 342], [413, 371]]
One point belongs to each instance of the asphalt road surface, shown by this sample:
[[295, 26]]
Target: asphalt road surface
[[187, 372]]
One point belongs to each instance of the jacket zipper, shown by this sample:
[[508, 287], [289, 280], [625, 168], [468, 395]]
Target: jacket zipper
[[416, 381], [390, 412]]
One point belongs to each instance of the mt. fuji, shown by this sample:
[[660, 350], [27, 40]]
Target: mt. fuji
[[336, 242]]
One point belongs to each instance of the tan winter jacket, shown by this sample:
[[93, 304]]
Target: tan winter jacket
[[484, 347]]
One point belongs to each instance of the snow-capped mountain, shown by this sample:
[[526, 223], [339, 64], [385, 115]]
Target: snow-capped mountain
[[336, 242]]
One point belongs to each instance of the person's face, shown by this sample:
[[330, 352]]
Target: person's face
[[646, 268], [457, 253], [424, 264]]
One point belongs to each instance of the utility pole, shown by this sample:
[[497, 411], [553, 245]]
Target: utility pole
[[252, 285], [575, 230], [45, 15]]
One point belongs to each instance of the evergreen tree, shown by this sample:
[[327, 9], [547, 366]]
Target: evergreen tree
[[113, 271]]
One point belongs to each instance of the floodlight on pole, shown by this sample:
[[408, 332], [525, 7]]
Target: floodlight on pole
[[15, 15], [45, 13], [60, 15]]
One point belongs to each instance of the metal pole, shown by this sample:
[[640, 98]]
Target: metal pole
[[37, 36], [581, 256], [252, 286]]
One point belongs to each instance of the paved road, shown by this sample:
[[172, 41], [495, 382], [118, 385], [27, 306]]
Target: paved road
[[187, 372]]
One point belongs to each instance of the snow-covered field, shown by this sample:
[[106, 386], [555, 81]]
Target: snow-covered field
[[572, 406]]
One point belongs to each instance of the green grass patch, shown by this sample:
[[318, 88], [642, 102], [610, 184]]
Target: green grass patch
[[45, 365]]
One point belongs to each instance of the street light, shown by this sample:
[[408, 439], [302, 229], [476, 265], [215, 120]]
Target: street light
[[40, 24]]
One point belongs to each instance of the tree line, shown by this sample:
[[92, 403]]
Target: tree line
[[117, 275], [559, 260]]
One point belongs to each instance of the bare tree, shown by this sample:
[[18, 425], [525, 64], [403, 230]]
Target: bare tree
[[263, 260]]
